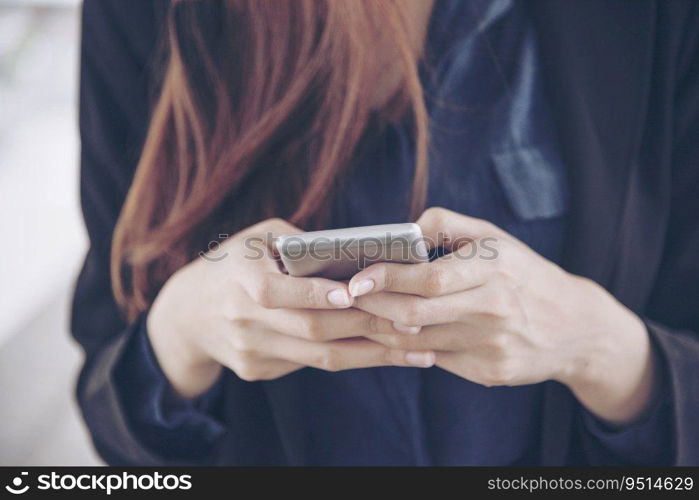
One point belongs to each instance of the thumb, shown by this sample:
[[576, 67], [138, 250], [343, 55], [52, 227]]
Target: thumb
[[451, 230]]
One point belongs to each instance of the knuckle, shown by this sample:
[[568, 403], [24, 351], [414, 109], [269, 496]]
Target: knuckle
[[435, 213], [500, 266], [312, 329], [388, 357], [503, 303], [272, 225], [436, 282], [238, 341], [386, 276], [370, 323], [243, 345], [435, 216], [395, 341], [507, 252], [240, 324], [276, 221], [249, 352], [501, 343], [503, 274], [247, 370], [330, 360], [414, 314], [502, 373], [312, 294], [231, 312], [452, 343], [262, 292], [511, 323]]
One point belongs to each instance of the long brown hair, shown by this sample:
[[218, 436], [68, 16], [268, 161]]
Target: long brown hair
[[263, 104]]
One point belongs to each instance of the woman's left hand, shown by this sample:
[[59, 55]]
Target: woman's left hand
[[497, 313]]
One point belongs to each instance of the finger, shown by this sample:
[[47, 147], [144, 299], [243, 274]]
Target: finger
[[490, 300], [449, 274], [258, 244], [274, 227], [442, 227], [344, 354], [454, 337], [273, 290], [468, 366], [325, 325], [411, 310], [244, 352], [489, 372]]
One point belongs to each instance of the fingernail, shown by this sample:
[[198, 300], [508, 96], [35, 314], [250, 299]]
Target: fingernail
[[412, 330], [339, 298], [361, 287], [420, 359]]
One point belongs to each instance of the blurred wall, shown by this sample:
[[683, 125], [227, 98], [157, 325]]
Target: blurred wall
[[43, 240]]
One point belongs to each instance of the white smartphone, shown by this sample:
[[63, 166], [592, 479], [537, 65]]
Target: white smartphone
[[341, 253]]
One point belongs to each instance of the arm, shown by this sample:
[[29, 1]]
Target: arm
[[671, 317], [514, 318], [246, 315], [674, 307], [117, 47], [638, 385]]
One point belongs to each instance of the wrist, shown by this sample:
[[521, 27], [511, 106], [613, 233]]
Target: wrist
[[605, 333], [612, 371], [186, 366]]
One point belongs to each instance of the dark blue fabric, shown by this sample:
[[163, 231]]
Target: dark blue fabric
[[185, 428], [493, 155]]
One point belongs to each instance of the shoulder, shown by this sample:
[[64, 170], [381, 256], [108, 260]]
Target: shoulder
[[677, 24], [119, 62], [131, 26]]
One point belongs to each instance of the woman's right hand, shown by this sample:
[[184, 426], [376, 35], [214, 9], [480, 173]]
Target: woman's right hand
[[243, 313]]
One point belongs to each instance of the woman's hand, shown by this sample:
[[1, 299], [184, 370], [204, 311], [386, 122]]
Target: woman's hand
[[497, 313], [238, 310]]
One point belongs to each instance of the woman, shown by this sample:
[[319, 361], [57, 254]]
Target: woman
[[568, 132]]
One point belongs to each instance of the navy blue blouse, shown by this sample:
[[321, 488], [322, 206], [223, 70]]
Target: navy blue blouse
[[493, 155]]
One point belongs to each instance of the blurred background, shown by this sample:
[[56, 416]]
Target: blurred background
[[42, 234]]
